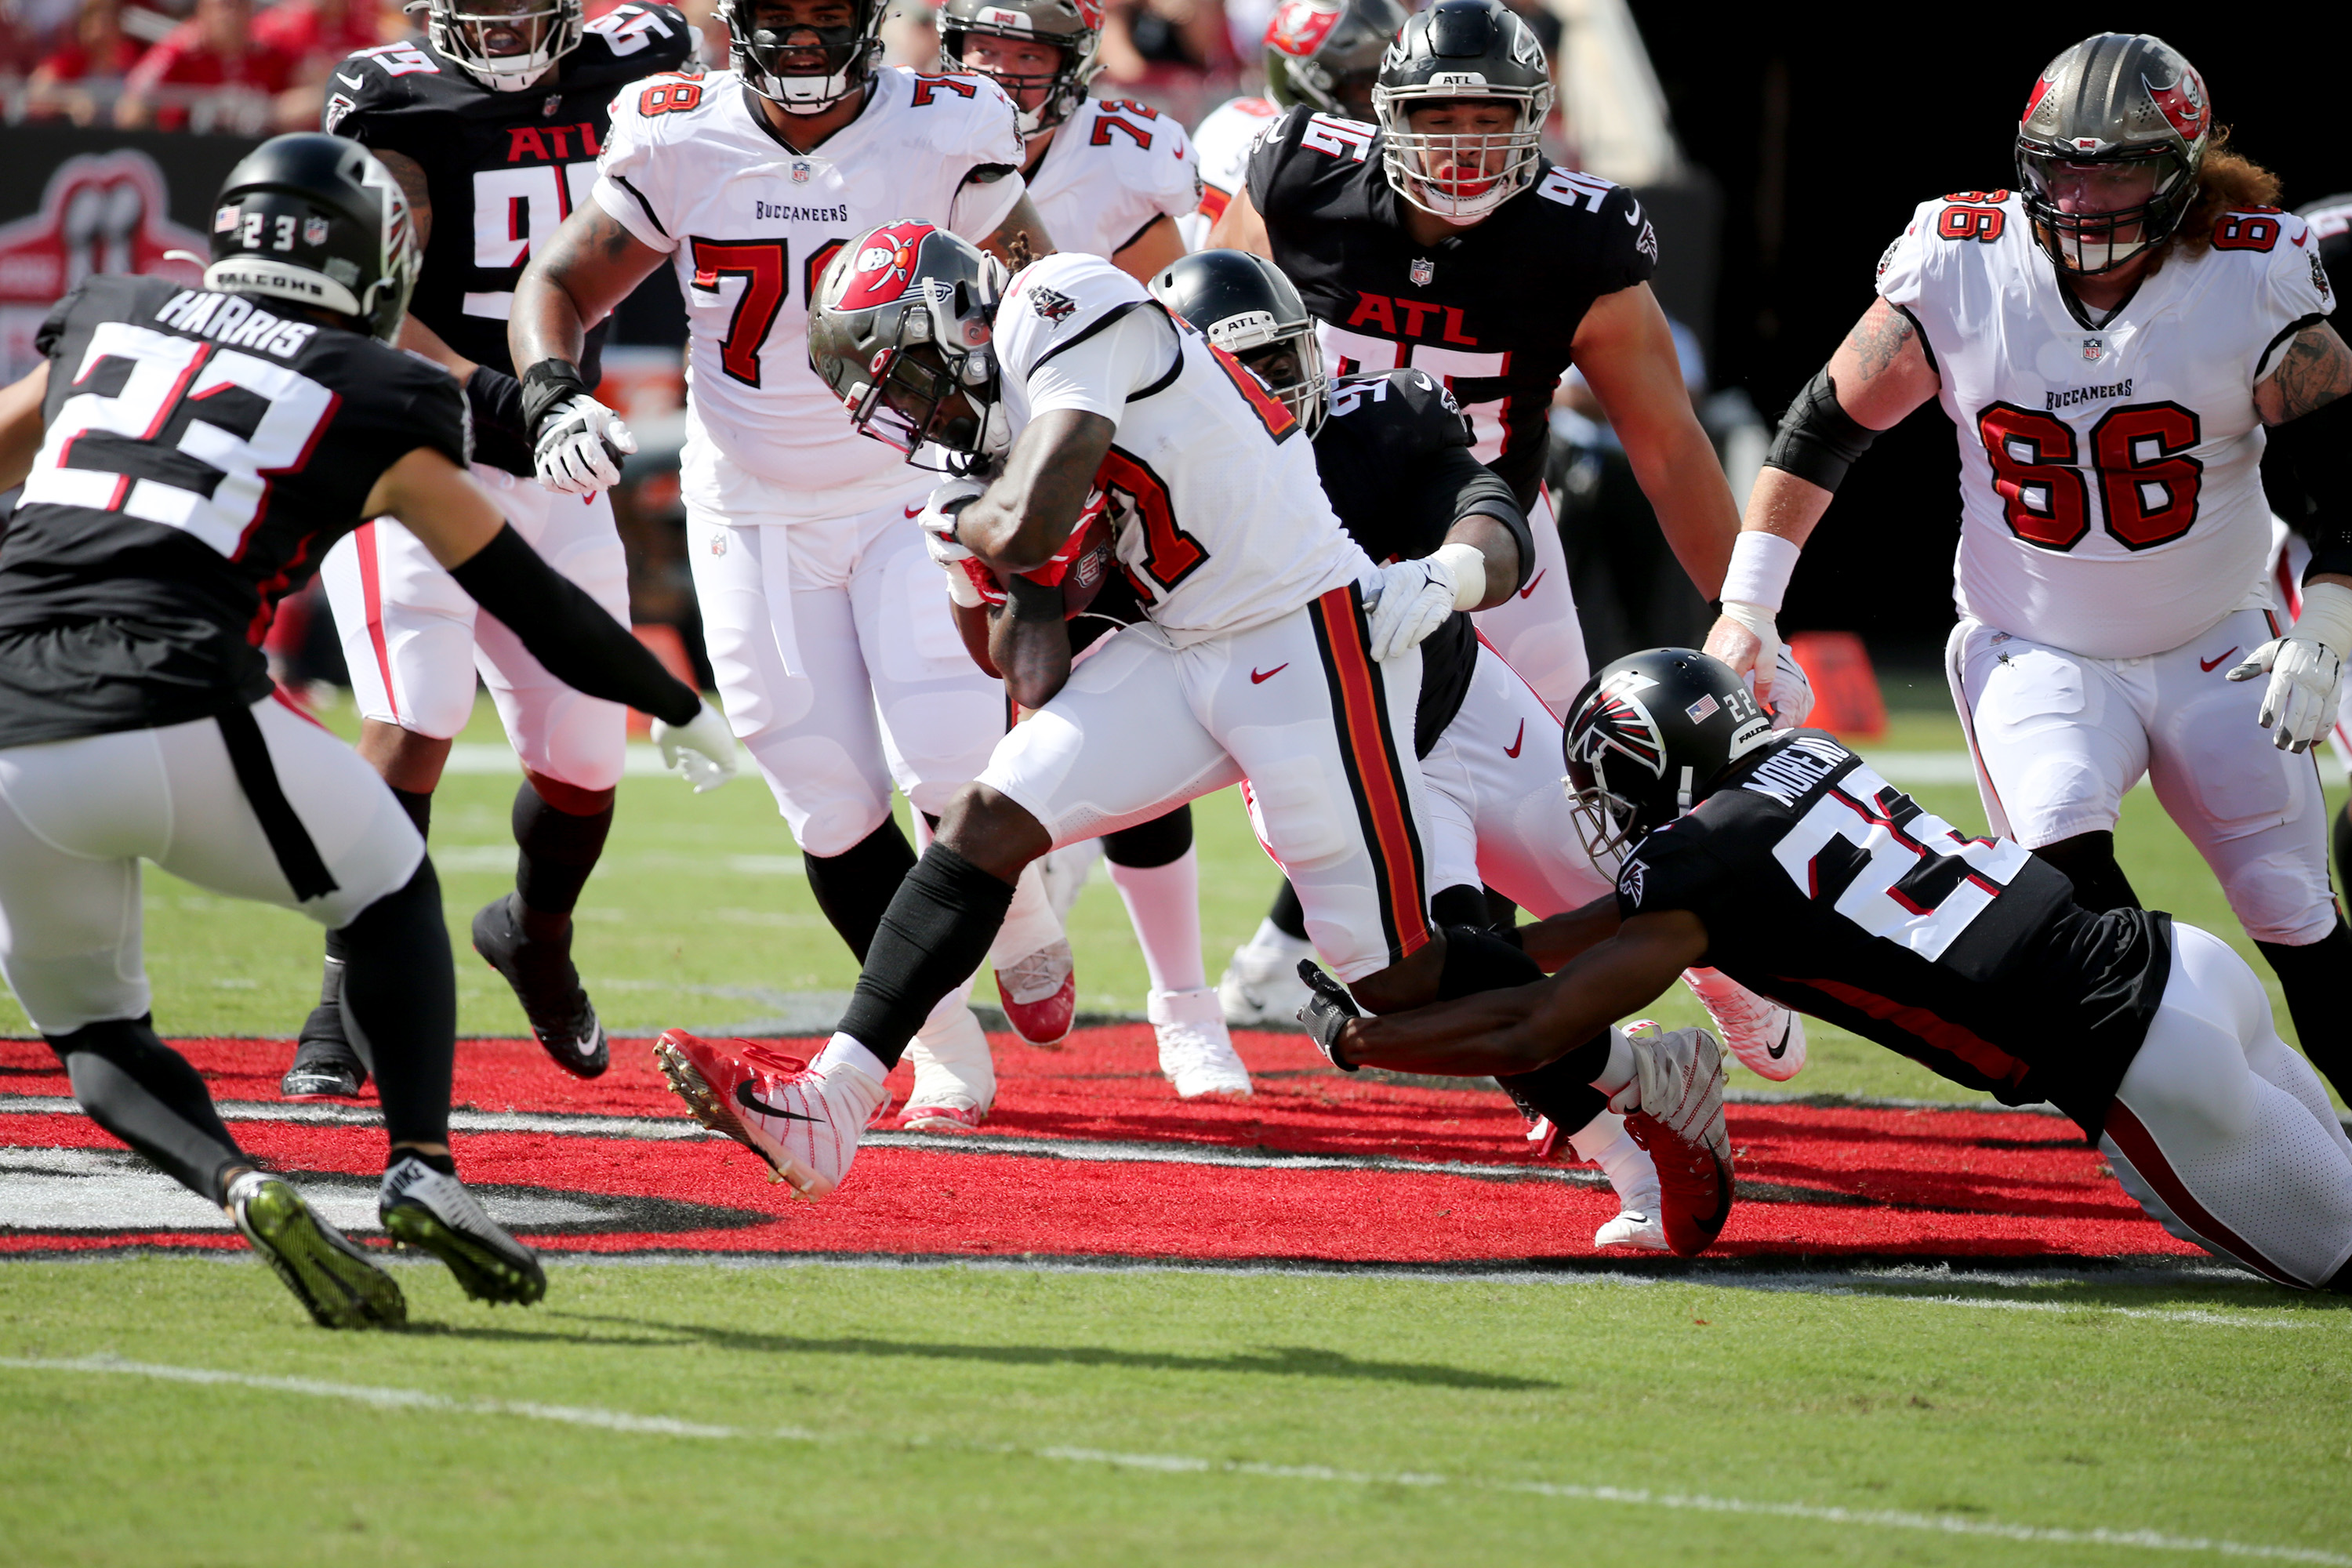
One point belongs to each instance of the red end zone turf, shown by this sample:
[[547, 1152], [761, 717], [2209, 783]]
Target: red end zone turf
[[1090, 1155]]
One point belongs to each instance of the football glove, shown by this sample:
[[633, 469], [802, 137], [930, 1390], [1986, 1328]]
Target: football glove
[[1792, 690], [2306, 668], [1326, 1012], [1414, 598], [969, 582], [702, 751], [580, 444]]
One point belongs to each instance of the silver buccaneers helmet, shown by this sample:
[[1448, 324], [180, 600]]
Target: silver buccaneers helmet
[[538, 33], [760, 54], [1325, 54], [314, 219], [2116, 129], [1244, 304], [1462, 50], [902, 329], [1648, 737], [1073, 26]]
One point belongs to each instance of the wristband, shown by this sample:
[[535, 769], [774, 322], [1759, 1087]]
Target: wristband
[[1756, 618], [548, 382], [1762, 565], [1468, 564], [2326, 618]]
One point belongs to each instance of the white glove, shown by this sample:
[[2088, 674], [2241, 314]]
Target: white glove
[[1415, 598], [580, 444], [937, 520], [2304, 667], [702, 751], [1792, 692]]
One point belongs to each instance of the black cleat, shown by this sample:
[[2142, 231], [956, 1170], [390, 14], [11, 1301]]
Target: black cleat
[[340, 1284], [326, 1066], [423, 1209], [547, 985]]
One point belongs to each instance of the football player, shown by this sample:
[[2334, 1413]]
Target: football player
[[839, 667], [1273, 649], [2112, 341], [187, 456], [1789, 862], [1325, 54], [1108, 176], [492, 126], [1441, 239]]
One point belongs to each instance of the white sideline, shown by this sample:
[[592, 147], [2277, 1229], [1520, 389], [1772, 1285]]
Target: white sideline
[[1180, 1464]]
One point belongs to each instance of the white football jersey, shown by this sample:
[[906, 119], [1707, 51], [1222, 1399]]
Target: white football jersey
[[1221, 520], [2111, 499], [1111, 171], [1221, 142], [691, 168]]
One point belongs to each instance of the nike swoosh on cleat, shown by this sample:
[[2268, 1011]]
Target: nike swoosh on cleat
[[1532, 582], [1779, 1048], [2207, 664], [750, 1102], [1259, 677], [1517, 741]]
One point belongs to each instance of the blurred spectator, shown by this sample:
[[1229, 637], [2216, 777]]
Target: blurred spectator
[[911, 36], [29, 29], [82, 79], [316, 35], [209, 74], [1144, 39]]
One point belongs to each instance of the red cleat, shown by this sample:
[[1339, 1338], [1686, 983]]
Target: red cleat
[[1040, 994], [1674, 1109], [804, 1123]]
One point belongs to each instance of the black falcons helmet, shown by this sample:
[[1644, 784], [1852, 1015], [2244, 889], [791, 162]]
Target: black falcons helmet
[[313, 218], [1648, 739], [1455, 50], [2118, 109], [850, 55], [1325, 54], [1244, 304]]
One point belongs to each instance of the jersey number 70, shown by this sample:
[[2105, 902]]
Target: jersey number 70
[[765, 267]]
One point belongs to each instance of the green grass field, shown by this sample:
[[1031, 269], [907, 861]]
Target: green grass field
[[826, 1415]]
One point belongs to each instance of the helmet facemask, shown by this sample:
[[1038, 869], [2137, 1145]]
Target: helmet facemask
[[2089, 243], [545, 30], [1288, 360], [1461, 176], [910, 398], [848, 54], [1063, 88], [1610, 775]]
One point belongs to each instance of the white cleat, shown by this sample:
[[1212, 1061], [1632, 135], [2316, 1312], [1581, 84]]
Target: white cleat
[[955, 1076], [1262, 990], [1632, 1173], [1196, 1055], [804, 1123], [1768, 1038], [1634, 1229], [1674, 1109]]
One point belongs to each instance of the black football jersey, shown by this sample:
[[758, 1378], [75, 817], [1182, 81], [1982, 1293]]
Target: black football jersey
[[504, 169], [1491, 310], [200, 454], [1828, 890], [1394, 457]]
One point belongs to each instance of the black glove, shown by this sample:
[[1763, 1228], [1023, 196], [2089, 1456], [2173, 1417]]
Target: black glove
[[1326, 1012]]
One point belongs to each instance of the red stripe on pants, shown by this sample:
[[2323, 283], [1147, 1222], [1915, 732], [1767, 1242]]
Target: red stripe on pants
[[2138, 1146], [372, 596], [1364, 735]]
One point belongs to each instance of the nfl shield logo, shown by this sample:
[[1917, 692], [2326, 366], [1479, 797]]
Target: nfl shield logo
[[2092, 348], [1421, 271], [800, 173], [314, 231]]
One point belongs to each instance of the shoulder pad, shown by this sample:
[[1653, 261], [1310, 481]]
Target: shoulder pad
[[632, 40], [1407, 411]]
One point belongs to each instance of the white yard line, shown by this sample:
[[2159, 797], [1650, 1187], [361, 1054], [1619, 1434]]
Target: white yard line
[[1181, 1464]]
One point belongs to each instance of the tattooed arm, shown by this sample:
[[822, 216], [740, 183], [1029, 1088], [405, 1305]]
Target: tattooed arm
[[1021, 239], [1881, 373], [2305, 401], [586, 269]]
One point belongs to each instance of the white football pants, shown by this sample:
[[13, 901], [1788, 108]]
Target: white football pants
[[77, 817], [2224, 1135], [1537, 629]]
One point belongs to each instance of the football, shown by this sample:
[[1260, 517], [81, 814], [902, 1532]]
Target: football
[[1090, 567]]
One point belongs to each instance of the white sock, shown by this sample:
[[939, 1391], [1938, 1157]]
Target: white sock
[[1164, 903], [1604, 1141], [1029, 924], [1273, 942], [844, 1049], [1620, 1070]]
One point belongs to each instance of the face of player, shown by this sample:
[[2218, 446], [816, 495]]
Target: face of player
[[2089, 190], [501, 27], [1469, 146], [1024, 69], [805, 24]]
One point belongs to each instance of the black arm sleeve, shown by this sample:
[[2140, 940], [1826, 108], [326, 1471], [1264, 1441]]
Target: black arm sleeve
[[495, 399], [1456, 484], [1819, 440], [2316, 452], [569, 632]]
